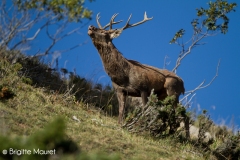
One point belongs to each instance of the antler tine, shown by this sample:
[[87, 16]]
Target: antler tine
[[98, 17], [138, 23], [112, 22], [127, 24]]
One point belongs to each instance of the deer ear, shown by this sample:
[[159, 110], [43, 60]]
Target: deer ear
[[115, 33]]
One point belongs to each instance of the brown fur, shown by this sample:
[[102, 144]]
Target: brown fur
[[131, 78]]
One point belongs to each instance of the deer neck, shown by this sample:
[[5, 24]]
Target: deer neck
[[116, 66]]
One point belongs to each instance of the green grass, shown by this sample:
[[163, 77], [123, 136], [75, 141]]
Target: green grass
[[30, 109]]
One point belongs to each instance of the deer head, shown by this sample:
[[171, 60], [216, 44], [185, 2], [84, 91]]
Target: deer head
[[100, 34]]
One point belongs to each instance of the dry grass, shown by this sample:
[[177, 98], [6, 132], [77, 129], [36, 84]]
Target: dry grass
[[32, 108], [94, 133]]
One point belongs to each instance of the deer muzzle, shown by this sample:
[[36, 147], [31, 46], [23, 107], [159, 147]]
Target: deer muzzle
[[90, 30]]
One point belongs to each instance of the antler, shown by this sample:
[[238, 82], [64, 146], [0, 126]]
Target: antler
[[97, 18], [109, 24], [127, 24], [138, 23]]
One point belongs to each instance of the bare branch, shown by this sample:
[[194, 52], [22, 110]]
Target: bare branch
[[56, 37], [187, 104], [30, 38], [184, 53], [63, 51], [71, 48], [199, 32], [16, 24], [201, 85], [165, 62], [213, 77]]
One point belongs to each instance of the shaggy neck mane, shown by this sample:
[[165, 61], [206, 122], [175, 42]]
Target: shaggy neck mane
[[116, 66]]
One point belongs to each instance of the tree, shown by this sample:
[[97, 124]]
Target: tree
[[209, 22], [73, 9], [23, 20]]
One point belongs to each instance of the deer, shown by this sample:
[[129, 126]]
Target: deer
[[130, 77]]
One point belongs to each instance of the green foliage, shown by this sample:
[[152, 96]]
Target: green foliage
[[177, 35], [224, 145], [214, 18], [33, 107], [216, 15], [33, 72], [229, 149], [27, 80], [74, 9], [52, 138], [17, 67], [159, 118], [204, 123]]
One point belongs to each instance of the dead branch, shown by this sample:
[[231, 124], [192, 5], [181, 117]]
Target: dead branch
[[201, 85], [56, 37], [17, 25], [199, 33], [30, 38], [195, 39], [165, 62]]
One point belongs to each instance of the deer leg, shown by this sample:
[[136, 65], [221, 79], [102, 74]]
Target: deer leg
[[144, 98], [121, 101]]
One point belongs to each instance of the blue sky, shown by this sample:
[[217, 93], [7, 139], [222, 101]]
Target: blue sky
[[149, 44]]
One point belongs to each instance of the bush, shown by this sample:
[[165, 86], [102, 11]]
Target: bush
[[159, 118], [52, 139], [229, 149], [5, 93]]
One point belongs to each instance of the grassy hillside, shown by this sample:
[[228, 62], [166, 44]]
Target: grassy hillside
[[25, 110]]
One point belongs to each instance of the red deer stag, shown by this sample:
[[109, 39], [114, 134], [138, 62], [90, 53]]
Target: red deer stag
[[129, 77]]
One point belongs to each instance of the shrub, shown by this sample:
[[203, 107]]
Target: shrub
[[52, 138], [5, 93], [159, 118]]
